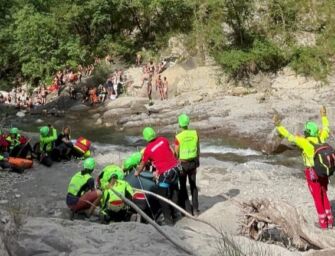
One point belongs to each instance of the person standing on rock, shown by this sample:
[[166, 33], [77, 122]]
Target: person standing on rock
[[165, 88], [160, 154], [81, 193], [317, 184], [187, 149], [149, 88]]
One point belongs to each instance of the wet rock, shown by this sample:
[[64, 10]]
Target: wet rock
[[99, 121], [112, 113], [122, 102], [96, 116], [39, 121], [59, 122], [20, 114], [79, 107]]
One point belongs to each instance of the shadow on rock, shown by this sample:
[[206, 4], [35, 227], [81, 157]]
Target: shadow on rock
[[207, 202]]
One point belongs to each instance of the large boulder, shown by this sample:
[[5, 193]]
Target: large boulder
[[65, 237], [79, 107]]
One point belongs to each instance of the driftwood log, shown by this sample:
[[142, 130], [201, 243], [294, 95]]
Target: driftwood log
[[262, 216]]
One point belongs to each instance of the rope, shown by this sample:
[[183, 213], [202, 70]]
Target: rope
[[153, 223], [194, 218]]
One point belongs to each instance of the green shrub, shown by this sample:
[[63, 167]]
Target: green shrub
[[262, 56], [311, 61]]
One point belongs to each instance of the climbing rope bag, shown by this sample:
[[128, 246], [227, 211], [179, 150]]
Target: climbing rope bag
[[324, 159]]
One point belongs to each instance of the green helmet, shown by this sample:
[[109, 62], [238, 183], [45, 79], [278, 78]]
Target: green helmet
[[149, 134], [89, 164], [311, 129], [44, 131], [14, 130], [183, 120], [132, 161]]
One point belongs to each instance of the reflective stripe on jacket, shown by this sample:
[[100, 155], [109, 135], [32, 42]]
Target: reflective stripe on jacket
[[110, 201]]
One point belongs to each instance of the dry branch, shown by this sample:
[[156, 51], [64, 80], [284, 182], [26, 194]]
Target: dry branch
[[262, 215]]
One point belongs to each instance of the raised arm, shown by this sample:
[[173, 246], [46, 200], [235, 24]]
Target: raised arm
[[301, 142], [325, 124]]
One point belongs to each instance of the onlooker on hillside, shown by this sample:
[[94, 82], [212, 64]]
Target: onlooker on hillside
[[160, 86], [102, 93], [166, 87], [149, 87], [138, 59]]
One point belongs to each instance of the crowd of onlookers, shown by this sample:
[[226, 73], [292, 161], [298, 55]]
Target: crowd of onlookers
[[115, 85], [23, 99], [152, 71]]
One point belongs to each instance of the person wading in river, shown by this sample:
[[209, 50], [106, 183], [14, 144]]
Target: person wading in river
[[317, 184], [160, 154], [187, 150]]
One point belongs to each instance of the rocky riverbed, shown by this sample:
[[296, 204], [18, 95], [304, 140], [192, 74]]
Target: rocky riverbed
[[39, 222]]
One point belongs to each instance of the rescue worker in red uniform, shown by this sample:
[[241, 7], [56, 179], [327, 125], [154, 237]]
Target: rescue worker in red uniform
[[318, 186], [161, 156]]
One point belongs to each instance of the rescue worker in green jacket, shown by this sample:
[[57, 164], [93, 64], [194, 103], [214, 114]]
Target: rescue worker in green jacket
[[107, 173], [48, 135], [132, 162], [82, 195], [18, 145], [188, 151], [112, 206]]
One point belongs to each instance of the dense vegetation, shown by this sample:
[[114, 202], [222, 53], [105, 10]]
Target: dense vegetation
[[38, 37]]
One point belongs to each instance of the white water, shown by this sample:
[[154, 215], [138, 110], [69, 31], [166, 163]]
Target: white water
[[213, 149], [205, 149]]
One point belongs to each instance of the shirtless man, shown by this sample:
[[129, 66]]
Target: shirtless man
[[149, 87], [151, 68], [138, 59], [166, 88], [159, 85]]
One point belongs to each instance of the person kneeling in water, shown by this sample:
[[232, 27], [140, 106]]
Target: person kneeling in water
[[82, 195], [112, 206]]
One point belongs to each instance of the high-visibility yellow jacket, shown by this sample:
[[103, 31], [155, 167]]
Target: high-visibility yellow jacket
[[305, 144]]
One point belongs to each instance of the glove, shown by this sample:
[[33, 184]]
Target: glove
[[323, 111], [276, 120]]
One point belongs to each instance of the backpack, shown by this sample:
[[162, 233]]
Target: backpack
[[324, 159]]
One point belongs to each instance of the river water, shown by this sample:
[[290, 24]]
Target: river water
[[44, 193]]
